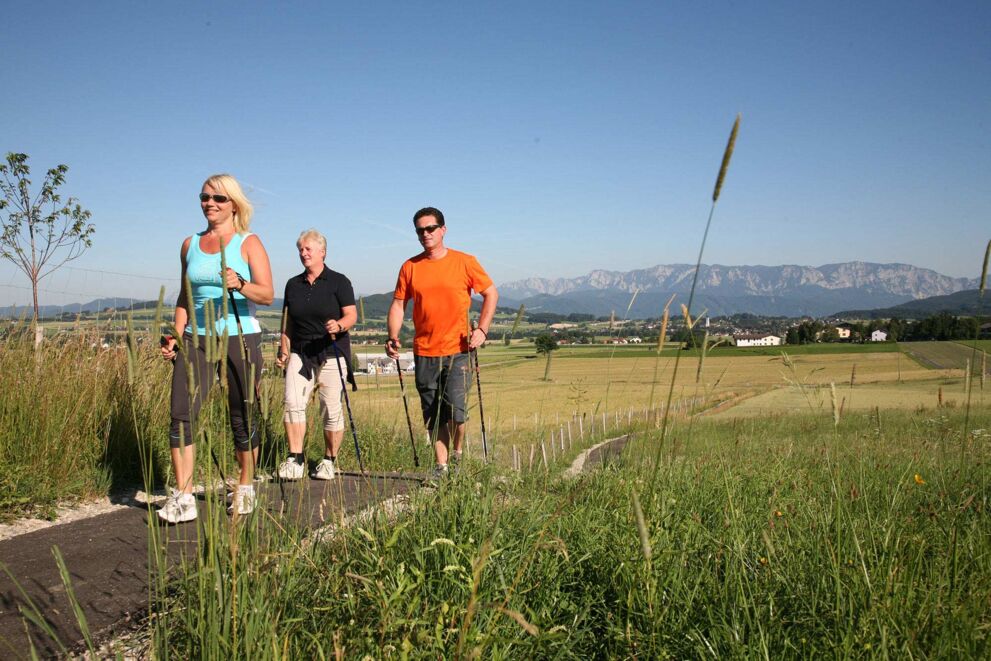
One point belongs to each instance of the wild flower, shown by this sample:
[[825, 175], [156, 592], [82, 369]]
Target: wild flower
[[918, 479]]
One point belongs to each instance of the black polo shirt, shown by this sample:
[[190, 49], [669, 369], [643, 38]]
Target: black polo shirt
[[312, 306]]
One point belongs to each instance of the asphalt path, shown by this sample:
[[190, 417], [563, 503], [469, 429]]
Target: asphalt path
[[606, 453], [107, 557]]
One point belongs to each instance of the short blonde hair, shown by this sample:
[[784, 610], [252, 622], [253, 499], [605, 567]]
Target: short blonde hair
[[312, 235], [242, 206]]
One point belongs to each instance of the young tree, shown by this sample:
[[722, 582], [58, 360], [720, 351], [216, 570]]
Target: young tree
[[40, 233], [546, 344]]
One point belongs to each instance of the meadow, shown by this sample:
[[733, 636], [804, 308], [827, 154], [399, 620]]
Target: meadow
[[858, 529], [790, 537]]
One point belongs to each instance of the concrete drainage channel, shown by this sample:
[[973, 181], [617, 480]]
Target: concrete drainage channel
[[107, 554]]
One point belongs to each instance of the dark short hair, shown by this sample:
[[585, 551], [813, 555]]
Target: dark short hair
[[429, 211]]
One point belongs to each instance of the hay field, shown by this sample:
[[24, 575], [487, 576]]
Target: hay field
[[516, 397], [910, 395]]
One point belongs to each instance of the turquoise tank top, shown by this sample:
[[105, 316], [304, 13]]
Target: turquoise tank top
[[203, 271]]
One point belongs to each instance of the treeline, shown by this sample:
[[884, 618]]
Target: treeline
[[940, 326]]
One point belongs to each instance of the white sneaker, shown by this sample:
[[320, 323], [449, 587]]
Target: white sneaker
[[244, 500], [325, 470], [178, 508], [290, 470]]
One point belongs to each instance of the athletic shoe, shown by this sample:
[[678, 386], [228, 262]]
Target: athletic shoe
[[291, 470], [244, 500], [325, 470], [178, 508], [438, 474]]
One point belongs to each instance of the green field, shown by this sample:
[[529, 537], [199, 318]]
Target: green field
[[944, 355]]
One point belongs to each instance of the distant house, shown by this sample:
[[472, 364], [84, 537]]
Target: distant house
[[757, 340], [562, 326], [379, 363], [843, 332], [635, 340], [879, 336]]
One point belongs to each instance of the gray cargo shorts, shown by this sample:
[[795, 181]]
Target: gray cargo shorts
[[441, 382]]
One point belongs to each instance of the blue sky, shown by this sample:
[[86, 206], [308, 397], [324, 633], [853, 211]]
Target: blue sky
[[557, 137]]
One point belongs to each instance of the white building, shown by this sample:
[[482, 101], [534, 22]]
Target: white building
[[379, 363], [843, 332], [757, 340], [879, 336]]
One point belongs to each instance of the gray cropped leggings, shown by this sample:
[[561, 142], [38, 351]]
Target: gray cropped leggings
[[186, 408]]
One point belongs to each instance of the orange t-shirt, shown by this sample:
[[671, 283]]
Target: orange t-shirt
[[441, 293]]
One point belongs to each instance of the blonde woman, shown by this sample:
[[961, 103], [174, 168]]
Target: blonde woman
[[249, 276], [320, 310]]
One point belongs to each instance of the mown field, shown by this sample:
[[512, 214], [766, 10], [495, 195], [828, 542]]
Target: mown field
[[946, 355], [616, 381], [927, 394]]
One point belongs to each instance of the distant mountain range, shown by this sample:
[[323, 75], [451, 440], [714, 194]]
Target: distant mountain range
[[789, 290], [849, 289], [964, 303], [96, 305]]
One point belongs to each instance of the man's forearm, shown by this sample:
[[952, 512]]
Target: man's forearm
[[394, 321], [490, 298]]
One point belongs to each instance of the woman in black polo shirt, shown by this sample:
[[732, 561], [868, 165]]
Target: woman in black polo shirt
[[320, 305]]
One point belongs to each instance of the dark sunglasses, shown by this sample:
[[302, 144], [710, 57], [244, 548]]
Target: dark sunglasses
[[219, 199], [427, 229]]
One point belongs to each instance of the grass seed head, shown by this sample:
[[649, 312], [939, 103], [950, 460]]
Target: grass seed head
[[727, 155], [641, 527]]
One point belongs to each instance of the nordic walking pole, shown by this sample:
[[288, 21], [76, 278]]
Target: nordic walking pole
[[247, 359], [164, 341], [481, 412], [409, 423], [282, 333], [347, 399], [285, 368]]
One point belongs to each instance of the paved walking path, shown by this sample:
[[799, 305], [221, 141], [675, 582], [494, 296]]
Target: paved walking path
[[107, 558]]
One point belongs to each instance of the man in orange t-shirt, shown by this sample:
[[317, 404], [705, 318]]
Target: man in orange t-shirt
[[439, 281]]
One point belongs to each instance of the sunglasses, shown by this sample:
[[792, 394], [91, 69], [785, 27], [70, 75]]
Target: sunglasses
[[219, 199], [427, 229]]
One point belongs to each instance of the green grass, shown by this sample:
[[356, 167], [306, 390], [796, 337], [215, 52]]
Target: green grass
[[776, 538], [982, 345]]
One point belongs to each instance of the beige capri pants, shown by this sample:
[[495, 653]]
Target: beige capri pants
[[299, 389]]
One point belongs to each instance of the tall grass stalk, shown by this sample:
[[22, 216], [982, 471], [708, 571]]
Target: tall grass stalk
[[977, 333], [661, 338], [723, 168]]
